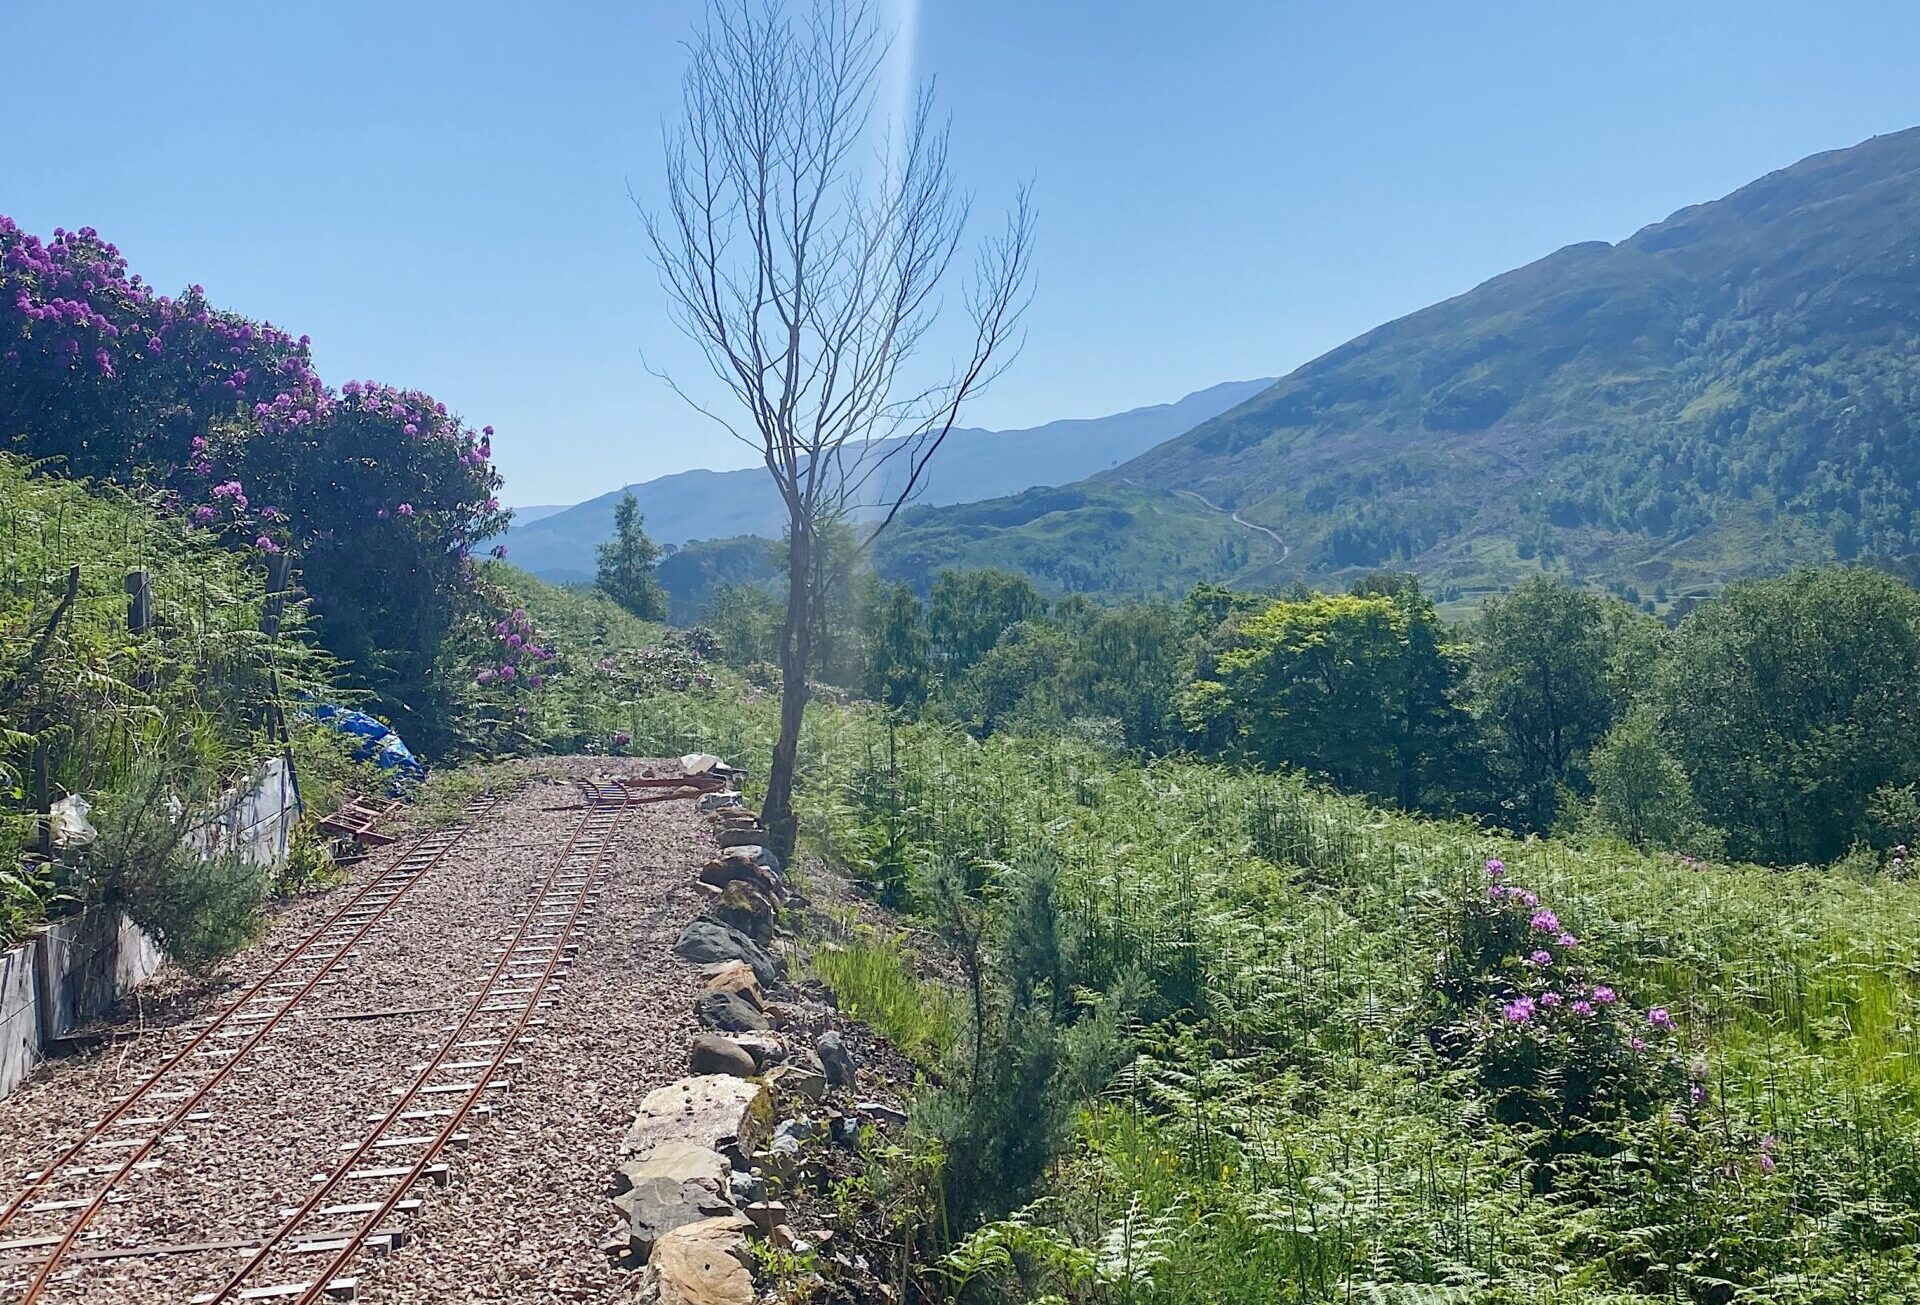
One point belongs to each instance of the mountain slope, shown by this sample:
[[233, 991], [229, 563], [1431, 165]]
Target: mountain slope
[[971, 464], [1728, 390]]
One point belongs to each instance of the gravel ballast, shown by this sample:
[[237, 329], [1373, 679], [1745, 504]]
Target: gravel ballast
[[526, 1212]]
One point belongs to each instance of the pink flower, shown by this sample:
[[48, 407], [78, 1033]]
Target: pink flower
[[1546, 922], [1551, 999], [1604, 995], [1659, 1017], [1567, 940], [405, 509], [1581, 1007], [1496, 867]]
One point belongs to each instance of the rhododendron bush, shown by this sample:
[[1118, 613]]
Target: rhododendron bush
[[380, 493]]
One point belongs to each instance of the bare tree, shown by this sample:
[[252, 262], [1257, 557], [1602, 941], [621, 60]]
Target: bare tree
[[810, 284]]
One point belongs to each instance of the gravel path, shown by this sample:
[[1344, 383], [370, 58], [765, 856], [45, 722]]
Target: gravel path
[[526, 1211]]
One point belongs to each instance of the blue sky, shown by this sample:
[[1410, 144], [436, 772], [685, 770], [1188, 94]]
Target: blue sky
[[438, 193]]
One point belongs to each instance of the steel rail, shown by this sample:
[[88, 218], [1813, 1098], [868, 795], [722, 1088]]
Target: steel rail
[[447, 839], [606, 805]]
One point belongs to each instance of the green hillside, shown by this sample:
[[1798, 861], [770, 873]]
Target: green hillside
[[1727, 391]]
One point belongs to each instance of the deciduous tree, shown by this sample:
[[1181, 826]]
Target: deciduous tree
[[811, 286]]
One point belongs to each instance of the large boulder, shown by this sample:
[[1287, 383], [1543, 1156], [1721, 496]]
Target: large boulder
[[680, 1161], [722, 1113], [724, 1011], [725, 870], [705, 1263], [755, 852], [738, 978], [835, 1059], [793, 1083], [713, 1054], [674, 1184], [748, 907], [705, 941]]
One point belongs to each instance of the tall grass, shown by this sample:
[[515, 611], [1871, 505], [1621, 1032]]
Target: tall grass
[[874, 981]]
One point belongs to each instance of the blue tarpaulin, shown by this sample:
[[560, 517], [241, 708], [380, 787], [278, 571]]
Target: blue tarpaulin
[[382, 746]]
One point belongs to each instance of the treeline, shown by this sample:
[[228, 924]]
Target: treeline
[[1774, 723]]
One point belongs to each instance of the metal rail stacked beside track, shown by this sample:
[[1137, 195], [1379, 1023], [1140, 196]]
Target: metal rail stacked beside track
[[533, 955], [324, 949]]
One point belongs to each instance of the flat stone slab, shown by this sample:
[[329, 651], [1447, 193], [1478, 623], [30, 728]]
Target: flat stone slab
[[716, 1111]]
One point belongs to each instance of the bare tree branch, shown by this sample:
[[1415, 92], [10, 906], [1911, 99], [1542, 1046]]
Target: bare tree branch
[[810, 285]]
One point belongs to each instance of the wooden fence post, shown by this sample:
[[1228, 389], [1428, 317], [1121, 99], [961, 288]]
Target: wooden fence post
[[139, 601]]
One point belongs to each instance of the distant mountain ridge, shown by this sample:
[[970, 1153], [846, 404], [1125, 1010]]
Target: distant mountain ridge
[[1726, 392], [972, 464]]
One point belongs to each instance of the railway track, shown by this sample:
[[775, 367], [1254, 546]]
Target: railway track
[[206, 1060], [382, 1161], [501, 1011]]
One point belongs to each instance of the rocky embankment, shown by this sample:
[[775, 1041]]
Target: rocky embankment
[[772, 1093]]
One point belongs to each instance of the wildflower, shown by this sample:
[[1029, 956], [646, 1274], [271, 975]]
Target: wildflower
[[1603, 995], [1496, 867], [1527, 898], [1546, 922], [203, 514], [507, 673], [1581, 1007], [1551, 999], [1518, 1011], [1567, 940], [1540, 957], [1660, 1018], [1638, 1044], [485, 676], [405, 509], [266, 545]]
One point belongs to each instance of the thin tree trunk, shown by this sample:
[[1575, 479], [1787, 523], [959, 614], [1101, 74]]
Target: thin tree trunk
[[796, 641]]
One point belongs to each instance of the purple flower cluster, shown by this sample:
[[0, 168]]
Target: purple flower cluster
[[201, 400], [1562, 991], [520, 655]]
